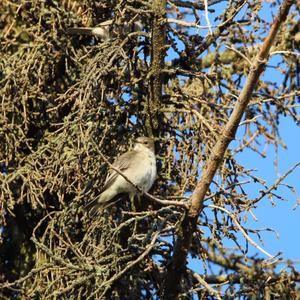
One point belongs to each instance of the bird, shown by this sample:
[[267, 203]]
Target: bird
[[107, 29], [138, 165]]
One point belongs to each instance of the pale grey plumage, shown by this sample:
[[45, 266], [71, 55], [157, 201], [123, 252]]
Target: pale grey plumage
[[138, 165], [107, 29]]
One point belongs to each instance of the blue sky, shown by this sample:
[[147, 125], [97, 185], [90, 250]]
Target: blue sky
[[284, 217]]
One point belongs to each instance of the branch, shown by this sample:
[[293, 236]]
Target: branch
[[276, 183], [207, 17], [238, 278], [238, 225], [158, 52], [130, 265], [189, 224], [201, 280], [190, 4]]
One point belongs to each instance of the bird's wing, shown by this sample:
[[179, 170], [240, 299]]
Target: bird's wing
[[122, 163]]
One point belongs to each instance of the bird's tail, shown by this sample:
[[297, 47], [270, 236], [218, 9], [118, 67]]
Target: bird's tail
[[93, 208], [98, 205], [80, 30]]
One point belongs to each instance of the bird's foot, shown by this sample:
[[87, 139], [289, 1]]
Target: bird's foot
[[141, 190]]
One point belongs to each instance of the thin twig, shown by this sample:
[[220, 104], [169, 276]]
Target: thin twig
[[130, 265], [207, 17], [247, 237], [210, 290], [276, 183]]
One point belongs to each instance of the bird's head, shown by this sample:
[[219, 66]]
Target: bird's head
[[144, 142]]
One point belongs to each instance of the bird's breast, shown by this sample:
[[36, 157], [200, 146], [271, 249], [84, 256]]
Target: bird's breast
[[149, 173]]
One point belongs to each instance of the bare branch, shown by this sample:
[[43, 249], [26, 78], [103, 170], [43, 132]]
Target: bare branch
[[189, 224]]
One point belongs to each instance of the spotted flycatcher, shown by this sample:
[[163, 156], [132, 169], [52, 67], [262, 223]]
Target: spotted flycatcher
[[137, 165]]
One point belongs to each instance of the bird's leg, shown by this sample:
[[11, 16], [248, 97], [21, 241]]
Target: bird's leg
[[132, 204], [133, 208], [140, 191]]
